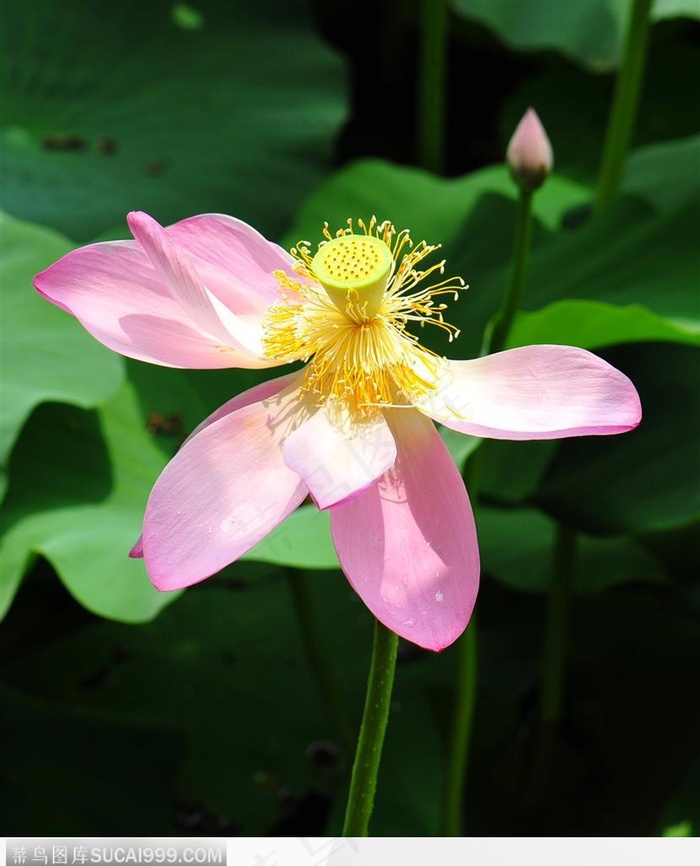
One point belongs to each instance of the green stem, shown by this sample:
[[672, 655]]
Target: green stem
[[521, 253], [553, 663], [432, 83], [319, 660], [624, 110], [374, 721], [465, 702]]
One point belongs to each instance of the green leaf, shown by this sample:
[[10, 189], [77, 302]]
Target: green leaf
[[593, 324], [643, 263], [675, 9], [516, 549], [236, 114], [459, 445], [432, 208], [591, 33], [226, 669], [95, 758], [683, 828], [46, 355], [665, 174], [303, 540], [648, 479], [510, 471]]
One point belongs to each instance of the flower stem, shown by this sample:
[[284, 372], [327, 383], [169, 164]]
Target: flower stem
[[431, 85], [374, 721], [319, 660], [521, 253], [553, 661], [625, 103]]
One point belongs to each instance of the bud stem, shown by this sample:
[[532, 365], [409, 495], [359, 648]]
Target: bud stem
[[431, 94], [467, 644], [496, 341], [624, 110]]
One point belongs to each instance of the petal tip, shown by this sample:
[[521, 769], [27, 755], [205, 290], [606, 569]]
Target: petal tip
[[139, 221], [136, 551]]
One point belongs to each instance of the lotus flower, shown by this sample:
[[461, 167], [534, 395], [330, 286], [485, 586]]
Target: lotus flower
[[353, 428]]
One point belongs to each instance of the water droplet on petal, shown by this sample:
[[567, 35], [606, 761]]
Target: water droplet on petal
[[439, 595], [409, 622]]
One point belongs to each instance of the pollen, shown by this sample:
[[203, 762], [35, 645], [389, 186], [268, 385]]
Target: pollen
[[348, 315]]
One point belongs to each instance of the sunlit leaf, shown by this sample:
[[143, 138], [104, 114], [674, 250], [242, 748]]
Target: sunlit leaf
[[46, 355], [595, 324], [81, 505], [303, 540], [432, 208]]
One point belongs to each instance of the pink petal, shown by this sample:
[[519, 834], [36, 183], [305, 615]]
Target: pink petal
[[178, 273], [408, 544], [252, 395], [222, 492], [338, 456], [535, 392], [235, 262], [125, 302]]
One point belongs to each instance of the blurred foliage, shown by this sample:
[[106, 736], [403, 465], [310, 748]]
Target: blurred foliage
[[591, 33], [199, 712]]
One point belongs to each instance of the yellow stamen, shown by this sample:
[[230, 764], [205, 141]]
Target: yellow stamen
[[348, 314]]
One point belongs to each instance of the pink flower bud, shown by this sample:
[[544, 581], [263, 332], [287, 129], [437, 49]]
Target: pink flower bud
[[529, 154]]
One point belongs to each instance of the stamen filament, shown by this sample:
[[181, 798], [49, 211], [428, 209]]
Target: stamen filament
[[359, 350]]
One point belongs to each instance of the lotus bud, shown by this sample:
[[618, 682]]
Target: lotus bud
[[529, 154]]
